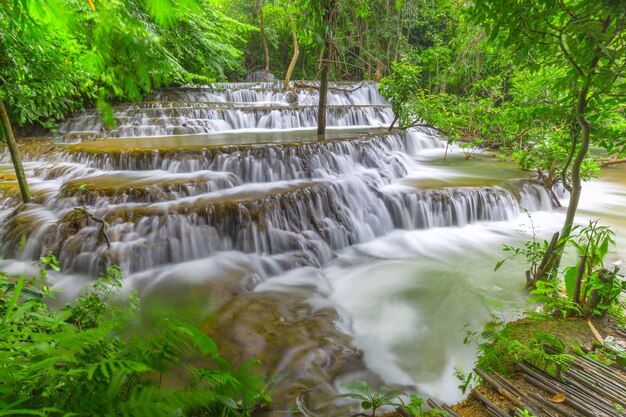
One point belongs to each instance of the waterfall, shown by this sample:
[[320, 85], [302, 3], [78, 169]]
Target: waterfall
[[192, 111], [230, 183], [170, 199]]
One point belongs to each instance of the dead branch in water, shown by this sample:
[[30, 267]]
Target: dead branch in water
[[300, 84], [102, 233]]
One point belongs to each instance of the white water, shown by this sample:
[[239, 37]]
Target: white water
[[379, 228], [408, 297]]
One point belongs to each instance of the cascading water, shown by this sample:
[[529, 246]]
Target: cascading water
[[281, 228]]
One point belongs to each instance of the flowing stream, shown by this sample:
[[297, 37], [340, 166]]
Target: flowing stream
[[361, 255]]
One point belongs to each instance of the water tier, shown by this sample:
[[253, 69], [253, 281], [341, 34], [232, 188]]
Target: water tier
[[309, 199], [228, 187]]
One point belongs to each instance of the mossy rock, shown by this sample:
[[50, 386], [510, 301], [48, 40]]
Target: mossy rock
[[299, 348]]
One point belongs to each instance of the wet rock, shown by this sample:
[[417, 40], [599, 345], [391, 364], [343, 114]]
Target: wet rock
[[301, 351]]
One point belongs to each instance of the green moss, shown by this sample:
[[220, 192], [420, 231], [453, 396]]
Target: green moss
[[137, 189], [34, 149], [182, 145], [544, 341]]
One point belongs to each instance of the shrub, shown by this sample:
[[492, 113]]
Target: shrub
[[82, 360]]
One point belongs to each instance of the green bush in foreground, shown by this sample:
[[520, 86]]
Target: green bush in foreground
[[88, 358]]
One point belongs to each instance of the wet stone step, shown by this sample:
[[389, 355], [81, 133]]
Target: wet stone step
[[254, 162], [9, 190], [143, 236], [344, 95], [194, 120], [273, 85], [9, 194], [141, 187], [415, 208], [314, 218], [178, 108], [159, 108]]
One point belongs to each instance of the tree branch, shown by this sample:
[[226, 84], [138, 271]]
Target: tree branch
[[102, 233], [570, 156]]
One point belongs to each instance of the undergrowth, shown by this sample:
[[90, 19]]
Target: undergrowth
[[91, 358], [372, 400], [501, 348]]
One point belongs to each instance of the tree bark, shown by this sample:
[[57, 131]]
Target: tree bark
[[553, 259], [585, 131], [321, 107], [579, 281], [15, 156], [360, 27], [296, 52], [380, 67], [266, 51], [398, 36], [329, 21]]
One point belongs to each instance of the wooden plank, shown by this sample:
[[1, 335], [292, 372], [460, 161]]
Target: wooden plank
[[595, 333]]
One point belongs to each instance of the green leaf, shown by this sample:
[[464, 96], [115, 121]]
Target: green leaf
[[229, 402], [569, 276], [17, 291], [603, 248]]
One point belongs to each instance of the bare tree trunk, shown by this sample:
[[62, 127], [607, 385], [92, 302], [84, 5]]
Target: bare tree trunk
[[329, 19], [264, 42], [396, 53], [360, 26], [380, 67], [321, 108], [367, 50], [15, 156], [387, 47], [296, 52]]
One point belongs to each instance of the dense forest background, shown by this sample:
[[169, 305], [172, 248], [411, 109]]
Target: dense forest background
[[58, 56], [528, 82], [538, 82]]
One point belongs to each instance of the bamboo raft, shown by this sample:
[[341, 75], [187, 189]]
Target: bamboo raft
[[588, 388]]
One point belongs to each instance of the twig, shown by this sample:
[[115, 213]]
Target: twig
[[595, 333], [102, 233], [299, 84]]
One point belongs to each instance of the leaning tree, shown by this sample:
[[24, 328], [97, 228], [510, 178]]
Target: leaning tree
[[587, 39]]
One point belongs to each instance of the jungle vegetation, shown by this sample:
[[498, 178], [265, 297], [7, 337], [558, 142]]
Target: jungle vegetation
[[538, 81]]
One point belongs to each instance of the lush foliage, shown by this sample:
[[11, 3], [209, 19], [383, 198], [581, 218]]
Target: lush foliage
[[583, 43], [386, 396], [584, 288], [498, 75], [369, 36], [90, 358], [500, 348], [56, 55]]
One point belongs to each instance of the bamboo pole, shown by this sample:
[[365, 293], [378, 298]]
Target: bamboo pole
[[15, 155], [569, 401], [554, 406], [490, 405], [574, 395]]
